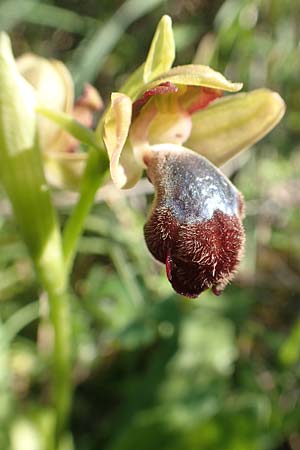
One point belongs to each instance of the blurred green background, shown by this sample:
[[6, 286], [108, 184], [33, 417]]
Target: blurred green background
[[153, 370]]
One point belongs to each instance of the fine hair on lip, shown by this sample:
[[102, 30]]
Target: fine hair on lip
[[194, 226]]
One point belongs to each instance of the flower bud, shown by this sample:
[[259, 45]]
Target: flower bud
[[194, 226]]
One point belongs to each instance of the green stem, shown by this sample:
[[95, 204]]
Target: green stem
[[53, 277], [93, 177], [22, 176], [62, 383]]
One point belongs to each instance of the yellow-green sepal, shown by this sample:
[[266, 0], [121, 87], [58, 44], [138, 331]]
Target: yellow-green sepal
[[162, 51], [134, 84], [234, 123], [159, 59], [124, 169], [196, 75]]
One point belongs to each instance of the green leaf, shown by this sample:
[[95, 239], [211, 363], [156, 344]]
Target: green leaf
[[162, 50], [14, 139], [234, 123], [21, 171], [72, 126], [33, 430], [290, 349]]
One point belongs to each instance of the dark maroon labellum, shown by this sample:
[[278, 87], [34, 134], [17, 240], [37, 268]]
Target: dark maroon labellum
[[194, 226]]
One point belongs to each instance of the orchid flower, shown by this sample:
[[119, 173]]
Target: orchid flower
[[175, 124], [53, 87]]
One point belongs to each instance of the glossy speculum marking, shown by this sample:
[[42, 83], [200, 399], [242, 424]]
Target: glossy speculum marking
[[194, 226]]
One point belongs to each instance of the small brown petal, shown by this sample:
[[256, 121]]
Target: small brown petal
[[90, 98]]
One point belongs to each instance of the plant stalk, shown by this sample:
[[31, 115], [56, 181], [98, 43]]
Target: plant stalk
[[94, 176], [53, 278], [62, 383]]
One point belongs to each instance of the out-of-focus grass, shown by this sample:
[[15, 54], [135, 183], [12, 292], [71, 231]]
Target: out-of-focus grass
[[152, 370]]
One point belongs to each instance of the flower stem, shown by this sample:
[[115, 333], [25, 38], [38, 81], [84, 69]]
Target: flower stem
[[93, 177], [62, 383], [53, 277]]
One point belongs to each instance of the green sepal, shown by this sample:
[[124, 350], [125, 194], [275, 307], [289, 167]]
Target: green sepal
[[159, 59], [234, 123], [124, 169], [134, 84], [162, 51], [196, 75]]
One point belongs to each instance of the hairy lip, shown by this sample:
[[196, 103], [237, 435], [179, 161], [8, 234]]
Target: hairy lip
[[196, 232]]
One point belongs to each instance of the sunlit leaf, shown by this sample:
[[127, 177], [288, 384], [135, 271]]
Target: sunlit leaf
[[69, 124], [21, 171]]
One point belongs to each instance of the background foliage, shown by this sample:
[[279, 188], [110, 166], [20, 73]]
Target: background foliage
[[152, 370]]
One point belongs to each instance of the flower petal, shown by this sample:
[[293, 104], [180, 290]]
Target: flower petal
[[54, 89], [194, 225], [197, 75], [64, 170], [161, 89], [162, 51], [198, 97], [232, 124], [124, 169]]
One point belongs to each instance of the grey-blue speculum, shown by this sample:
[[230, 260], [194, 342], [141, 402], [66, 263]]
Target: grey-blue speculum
[[195, 224]]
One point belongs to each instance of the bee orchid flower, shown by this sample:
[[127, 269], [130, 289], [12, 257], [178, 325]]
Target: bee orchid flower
[[175, 124], [53, 86]]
